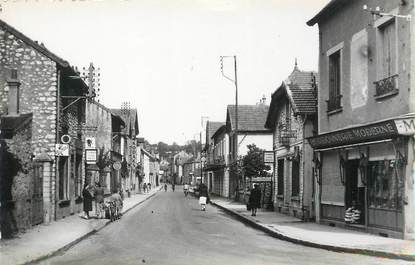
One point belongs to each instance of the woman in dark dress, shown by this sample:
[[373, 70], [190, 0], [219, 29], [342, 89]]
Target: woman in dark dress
[[86, 194], [255, 199]]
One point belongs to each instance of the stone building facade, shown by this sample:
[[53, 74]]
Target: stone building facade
[[32, 82]]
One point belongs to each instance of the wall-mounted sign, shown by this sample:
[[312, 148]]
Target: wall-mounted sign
[[62, 149], [90, 143], [268, 156], [65, 139], [405, 126], [116, 165], [373, 132], [288, 133], [91, 156], [261, 179]]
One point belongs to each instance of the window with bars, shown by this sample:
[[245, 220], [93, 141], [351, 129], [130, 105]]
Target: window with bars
[[334, 101]]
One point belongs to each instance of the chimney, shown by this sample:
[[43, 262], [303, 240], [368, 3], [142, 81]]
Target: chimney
[[14, 94]]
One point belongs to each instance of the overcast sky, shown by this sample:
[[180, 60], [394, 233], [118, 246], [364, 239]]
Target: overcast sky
[[163, 55]]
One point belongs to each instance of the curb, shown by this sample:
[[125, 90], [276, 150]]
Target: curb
[[275, 234], [90, 233]]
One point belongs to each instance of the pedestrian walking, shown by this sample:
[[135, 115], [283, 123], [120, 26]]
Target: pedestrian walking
[[203, 196], [186, 189], [99, 200], [118, 201], [145, 187], [165, 187], [87, 199], [172, 186], [255, 199], [149, 186]]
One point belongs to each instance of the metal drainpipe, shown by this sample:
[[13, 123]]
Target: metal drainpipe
[[303, 162]]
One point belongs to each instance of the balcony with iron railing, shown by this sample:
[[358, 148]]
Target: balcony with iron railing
[[334, 104], [386, 87], [209, 158], [215, 160]]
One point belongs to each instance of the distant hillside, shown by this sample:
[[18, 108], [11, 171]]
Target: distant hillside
[[165, 150]]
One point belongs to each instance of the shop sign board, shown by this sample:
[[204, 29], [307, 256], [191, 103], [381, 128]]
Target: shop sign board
[[91, 156], [62, 149], [261, 179], [405, 126], [268, 156], [116, 165], [373, 132]]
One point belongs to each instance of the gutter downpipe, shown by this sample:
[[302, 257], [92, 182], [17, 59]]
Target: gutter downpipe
[[303, 162]]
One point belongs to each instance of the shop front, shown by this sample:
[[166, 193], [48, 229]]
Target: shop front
[[364, 174]]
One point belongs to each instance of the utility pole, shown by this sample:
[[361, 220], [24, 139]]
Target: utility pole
[[235, 133], [236, 112]]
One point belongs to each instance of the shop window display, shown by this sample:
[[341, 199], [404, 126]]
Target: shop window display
[[385, 185]]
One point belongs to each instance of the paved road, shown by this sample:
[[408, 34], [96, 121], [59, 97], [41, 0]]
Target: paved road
[[171, 229]]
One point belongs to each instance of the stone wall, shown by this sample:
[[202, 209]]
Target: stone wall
[[71, 121], [37, 74], [38, 95]]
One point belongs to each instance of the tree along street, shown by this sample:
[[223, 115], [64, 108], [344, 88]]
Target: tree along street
[[171, 229]]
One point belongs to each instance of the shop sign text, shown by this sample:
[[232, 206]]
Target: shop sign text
[[406, 126], [355, 135]]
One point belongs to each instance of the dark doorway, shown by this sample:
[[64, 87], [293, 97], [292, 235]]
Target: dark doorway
[[280, 176], [355, 190], [37, 196]]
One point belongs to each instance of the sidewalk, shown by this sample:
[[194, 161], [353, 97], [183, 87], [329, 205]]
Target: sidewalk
[[47, 239], [320, 236]]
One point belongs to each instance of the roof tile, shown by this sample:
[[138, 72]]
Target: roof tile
[[250, 117]]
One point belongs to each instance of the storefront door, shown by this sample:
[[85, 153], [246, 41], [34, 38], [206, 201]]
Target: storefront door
[[355, 192]]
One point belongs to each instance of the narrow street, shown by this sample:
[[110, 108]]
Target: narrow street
[[171, 229]]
